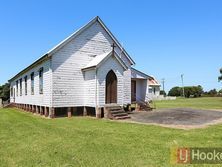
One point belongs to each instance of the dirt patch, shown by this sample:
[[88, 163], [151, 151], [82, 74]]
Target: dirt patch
[[182, 118]]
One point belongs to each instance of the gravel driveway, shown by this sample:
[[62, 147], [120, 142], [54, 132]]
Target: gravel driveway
[[185, 117]]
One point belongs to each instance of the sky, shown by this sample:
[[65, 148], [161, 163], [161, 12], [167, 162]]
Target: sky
[[166, 38]]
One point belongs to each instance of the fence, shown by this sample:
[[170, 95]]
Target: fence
[[161, 97], [1, 105]]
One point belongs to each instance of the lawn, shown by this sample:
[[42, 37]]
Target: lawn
[[200, 103], [29, 140]]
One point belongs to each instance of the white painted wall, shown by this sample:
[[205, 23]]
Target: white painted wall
[[127, 87], [90, 88], [36, 99], [141, 89], [65, 84], [150, 93], [110, 64], [68, 79]]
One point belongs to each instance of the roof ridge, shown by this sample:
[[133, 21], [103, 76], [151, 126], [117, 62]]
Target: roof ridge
[[68, 39]]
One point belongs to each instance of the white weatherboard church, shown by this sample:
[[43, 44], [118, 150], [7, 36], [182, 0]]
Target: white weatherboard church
[[83, 73]]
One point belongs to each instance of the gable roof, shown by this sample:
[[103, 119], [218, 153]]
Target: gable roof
[[136, 73], [140, 75], [98, 60], [71, 37], [153, 82], [97, 18]]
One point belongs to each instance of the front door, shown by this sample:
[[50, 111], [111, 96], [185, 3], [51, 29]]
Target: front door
[[133, 91], [111, 87]]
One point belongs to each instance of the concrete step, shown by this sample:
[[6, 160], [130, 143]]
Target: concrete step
[[120, 114], [117, 111], [114, 108], [122, 117]]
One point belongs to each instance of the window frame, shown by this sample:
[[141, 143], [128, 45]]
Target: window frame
[[20, 86], [11, 91], [32, 78], [17, 88], [26, 85], [41, 80]]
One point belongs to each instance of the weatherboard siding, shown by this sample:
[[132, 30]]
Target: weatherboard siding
[[141, 89], [150, 92], [110, 64], [68, 78], [90, 88], [36, 99], [127, 86], [66, 85]]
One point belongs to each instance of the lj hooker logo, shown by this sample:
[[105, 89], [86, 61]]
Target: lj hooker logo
[[196, 156]]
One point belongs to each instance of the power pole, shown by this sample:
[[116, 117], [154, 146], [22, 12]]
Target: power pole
[[163, 82], [182, 84]]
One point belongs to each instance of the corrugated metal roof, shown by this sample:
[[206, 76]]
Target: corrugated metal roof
[[153, 82], [136, 74]]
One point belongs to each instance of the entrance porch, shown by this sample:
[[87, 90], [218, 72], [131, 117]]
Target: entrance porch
[[138, 90]]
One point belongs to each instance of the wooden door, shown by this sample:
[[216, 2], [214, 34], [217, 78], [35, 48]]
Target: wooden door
[[133, 91], [111, 88]]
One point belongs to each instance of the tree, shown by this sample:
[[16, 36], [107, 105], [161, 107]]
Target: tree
[[189, 91], [212, 92], [5, 91], [162, 92], [198, 91], [194, 91], [220, 77], [175, 91]]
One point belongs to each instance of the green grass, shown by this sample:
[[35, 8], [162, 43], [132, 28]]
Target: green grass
[[28, 140], [200, 103]]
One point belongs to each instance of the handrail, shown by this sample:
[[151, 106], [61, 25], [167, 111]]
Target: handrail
[[147, 103]]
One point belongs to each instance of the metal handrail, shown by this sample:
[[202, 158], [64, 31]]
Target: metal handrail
[[147, 103]]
